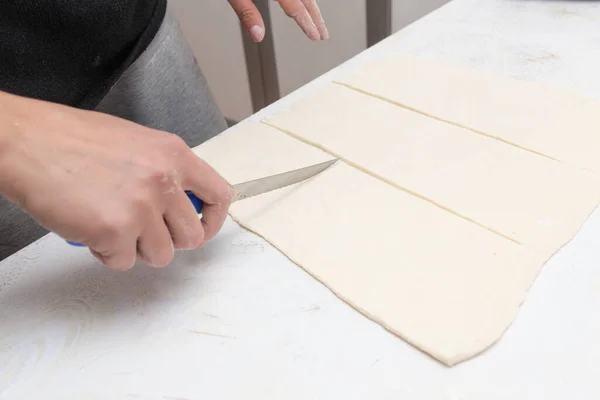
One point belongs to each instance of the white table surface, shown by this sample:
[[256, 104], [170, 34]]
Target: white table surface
[[238, 320]]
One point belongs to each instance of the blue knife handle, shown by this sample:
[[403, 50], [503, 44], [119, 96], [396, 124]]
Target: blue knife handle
[[198, 205]]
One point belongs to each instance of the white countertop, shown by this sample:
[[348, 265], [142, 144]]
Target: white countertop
[[238, 320]]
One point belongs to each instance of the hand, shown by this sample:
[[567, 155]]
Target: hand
[[306, 13], [113, 185]]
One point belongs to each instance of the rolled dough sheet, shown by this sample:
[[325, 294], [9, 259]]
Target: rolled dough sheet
[[444, 284], [543, 119], [444, 210], [524, 196]]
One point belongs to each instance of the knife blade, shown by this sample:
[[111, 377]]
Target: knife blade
[[260, 186]]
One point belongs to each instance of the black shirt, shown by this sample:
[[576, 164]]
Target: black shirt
[[72, 51]]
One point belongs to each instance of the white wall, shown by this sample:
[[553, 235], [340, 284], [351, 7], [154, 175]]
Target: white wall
[[405, 12], [213, 31]]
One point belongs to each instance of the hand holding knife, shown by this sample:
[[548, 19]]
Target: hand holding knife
[[260, 186]]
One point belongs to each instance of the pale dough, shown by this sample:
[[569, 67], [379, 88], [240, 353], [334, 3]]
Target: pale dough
[[250, 151], [532, 199], [432, 230], [557, 123], [430, 277], [388, 253]]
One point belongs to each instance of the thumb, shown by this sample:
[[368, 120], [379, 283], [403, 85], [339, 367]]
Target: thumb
[[250, 18]]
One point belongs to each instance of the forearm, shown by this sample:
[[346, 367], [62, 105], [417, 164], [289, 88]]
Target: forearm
[[15, 116], [13, 110], [9, 127]]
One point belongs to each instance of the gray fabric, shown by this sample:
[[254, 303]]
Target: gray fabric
[[163, 89]]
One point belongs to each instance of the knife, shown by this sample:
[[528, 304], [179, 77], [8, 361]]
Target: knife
[[256, 187]]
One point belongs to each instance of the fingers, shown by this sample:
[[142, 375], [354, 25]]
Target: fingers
[[250, 18], [296, 10], [120, 259], [213, 217], [317, 18], [155, 246], [216, 193], [307, 15], [183, 223], [180, 228]]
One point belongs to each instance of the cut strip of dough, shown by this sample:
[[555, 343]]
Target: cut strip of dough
[[518, 194], [444, 284], [251, 151], [556, 123]]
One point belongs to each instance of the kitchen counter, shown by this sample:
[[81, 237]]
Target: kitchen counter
[[238, 320]]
